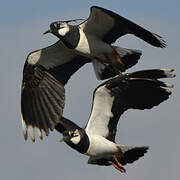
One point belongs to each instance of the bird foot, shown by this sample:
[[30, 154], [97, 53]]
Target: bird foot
[[118, 165]]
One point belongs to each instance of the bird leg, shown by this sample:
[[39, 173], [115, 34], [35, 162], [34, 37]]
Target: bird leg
[[117, 62], [118, 165]]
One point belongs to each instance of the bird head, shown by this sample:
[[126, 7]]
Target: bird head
[[59, 28], [72, 137]]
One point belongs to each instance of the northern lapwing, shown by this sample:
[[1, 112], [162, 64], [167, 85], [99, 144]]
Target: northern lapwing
[[137, 90], [93, 38], [46, 71]]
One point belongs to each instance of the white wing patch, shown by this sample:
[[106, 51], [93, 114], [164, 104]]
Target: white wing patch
[[34, 57], [51, 56], [101, 112]]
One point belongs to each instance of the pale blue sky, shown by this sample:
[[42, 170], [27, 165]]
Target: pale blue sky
[[22, 25]]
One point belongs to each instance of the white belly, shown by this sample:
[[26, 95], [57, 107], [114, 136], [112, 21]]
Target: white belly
[[91, 46], [99, 146]]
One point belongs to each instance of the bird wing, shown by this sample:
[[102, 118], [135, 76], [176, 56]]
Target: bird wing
[[66, 125], [138, 90], [46, 71], [109, 26], [58, 60]]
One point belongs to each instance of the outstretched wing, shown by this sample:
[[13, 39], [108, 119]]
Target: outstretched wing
[[109, 26], [66, 125], [138, 90], [46, 71]]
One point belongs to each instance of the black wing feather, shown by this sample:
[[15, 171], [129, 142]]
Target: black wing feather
[[63, 72], [42, 99], [117, 27], [133, 92], [123, 26]]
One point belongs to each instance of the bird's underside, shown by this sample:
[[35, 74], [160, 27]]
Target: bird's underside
[[128, 155], [47, 70], [138, 90]]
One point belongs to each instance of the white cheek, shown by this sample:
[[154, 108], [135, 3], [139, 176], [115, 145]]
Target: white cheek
[[76, 139], [63, 31]]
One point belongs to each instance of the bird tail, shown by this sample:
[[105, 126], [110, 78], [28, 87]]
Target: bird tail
[[129, 57], [131, 153]]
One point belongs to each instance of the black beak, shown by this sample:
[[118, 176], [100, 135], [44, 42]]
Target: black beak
[[48, 31]]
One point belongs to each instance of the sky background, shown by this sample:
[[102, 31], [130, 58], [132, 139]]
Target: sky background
[[22, 25]]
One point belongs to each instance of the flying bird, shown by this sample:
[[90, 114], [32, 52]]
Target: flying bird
[[46, 72], [137, 90], [93, 38]]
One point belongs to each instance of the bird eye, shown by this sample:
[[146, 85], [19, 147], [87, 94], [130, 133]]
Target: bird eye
[[56, 25], [74, 135]]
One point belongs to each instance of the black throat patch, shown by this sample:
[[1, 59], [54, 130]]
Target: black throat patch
[[71, 39], [83, 145]]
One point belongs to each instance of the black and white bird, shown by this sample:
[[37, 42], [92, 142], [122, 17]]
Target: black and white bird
[[93, 38], [47, 70], [137, 90]]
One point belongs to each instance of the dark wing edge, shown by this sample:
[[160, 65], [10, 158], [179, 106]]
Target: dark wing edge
[[123, 26], [42, 101], [139, 90]]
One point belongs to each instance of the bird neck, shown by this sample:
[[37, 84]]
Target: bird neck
[[83, 145], [71, 39]]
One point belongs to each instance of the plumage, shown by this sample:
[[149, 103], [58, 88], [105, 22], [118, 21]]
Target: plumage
[[138, 90], [93, 38], [46, 71], [110, 26]]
